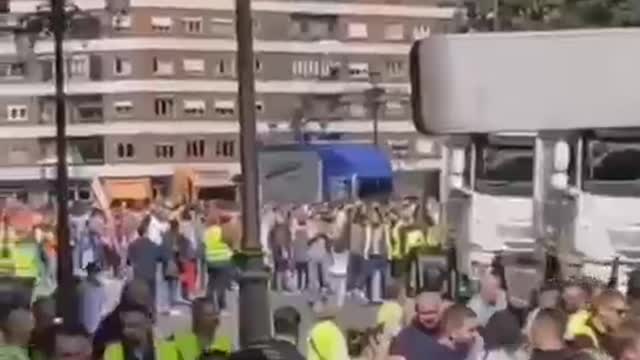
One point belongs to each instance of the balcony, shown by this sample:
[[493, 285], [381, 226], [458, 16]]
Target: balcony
[[308, 27], [322, 107], [83, 109], [81, 151]]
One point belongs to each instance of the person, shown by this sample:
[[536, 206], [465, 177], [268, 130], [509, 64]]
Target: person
[[627, 340], [356, 275], [391, 313], [203, 337], [171, 272], [189, 253], [17, 330], [144, 255], [70, 342], [547, 335], [280, 243], [286, 324], [137, 341], [93, 296], [44, 315], [218, 255], [608, 312], [503, 339], [326, 340], [490, 299], [459, 331], [300, 250], [377, 251], [633, 293], [418, 340], [548, 297], [109, 330], [575, 297]]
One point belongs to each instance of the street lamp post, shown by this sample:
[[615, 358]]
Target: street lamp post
[[254, 309], [67, 304], [374, 98]]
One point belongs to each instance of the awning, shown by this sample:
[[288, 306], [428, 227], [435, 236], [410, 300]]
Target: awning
[[212, 179], [129, 189], [360, 160], [369, 166]]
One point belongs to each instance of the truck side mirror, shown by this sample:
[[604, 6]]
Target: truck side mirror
[[561, 161], [456, 177]]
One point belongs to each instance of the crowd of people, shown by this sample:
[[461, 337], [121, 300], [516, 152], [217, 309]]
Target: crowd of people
[[329, 253]]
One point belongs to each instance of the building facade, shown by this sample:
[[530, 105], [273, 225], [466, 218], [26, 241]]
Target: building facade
[[151, 84]]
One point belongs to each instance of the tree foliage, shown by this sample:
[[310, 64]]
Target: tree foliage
[[517, 15]]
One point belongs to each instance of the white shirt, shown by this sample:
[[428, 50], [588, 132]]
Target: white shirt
[[156, 229]]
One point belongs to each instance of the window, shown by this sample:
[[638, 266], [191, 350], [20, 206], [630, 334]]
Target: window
[[259, 106], [224, 107], [195, 148], [225, 67], [194, 107], [357, 31], [394, 32], [89, 112], [121, 22], [164, 107], [162, 67], [84, 193], [225, 148], [123, 108], [161, 23], [11, 70], [330, 69], [222, 27], [192, 25], [164, 151], [122, 66], [394, 108], [306, 68], [359, 70], [17, 113], [357, 110], [421, 32], [193, 66], [396, 68], [78, 66], [18, 155], [125, 151]]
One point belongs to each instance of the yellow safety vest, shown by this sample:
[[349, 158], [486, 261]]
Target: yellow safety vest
[[396, 243], [164, 350], [578, 326], [415, 239], [326, 342], [216, 249], [189, 349], [25, 264]]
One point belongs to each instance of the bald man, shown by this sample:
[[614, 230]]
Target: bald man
[[419, 339], [17, 332]]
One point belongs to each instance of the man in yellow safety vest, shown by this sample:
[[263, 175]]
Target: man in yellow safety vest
[[218, 255], [203, 338], [137, 338]]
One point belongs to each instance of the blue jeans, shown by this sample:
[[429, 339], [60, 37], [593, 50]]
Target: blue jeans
[[376, 269], [220, 276]]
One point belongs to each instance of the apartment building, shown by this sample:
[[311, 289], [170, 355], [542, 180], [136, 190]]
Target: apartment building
[[151, 85]]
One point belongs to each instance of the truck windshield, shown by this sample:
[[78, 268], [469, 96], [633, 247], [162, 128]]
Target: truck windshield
[[612, 167], [506, 170]]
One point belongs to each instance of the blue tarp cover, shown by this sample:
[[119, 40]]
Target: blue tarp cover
[[364, 161]]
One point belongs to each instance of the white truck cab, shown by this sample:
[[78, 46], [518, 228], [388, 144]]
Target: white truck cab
[[568, 181]]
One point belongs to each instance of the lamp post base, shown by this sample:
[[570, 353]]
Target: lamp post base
[[254, 305]]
